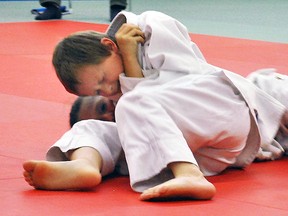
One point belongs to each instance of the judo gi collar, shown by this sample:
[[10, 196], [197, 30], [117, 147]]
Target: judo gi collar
[[119, 20]]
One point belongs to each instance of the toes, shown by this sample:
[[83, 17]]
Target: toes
[[26, 174], [28, 178], [29, 166], [150, 194], [145, 196]]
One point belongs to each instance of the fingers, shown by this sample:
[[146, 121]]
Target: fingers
[[284, 124], [128, 38], [284, 130], [130, 32]]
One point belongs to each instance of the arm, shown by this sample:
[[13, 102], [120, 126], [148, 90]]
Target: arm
[[99, 135], [128, 37], [167, 47]]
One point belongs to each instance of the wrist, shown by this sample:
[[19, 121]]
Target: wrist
[[132, 67]]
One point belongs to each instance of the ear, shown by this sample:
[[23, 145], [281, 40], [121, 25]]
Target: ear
[[109, 43]]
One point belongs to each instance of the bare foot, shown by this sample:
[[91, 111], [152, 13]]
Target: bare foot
[[181, 188], [64, 175]]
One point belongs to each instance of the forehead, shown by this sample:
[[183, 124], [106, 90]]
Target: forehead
[[89, 102], [87, 109], [85, 72]]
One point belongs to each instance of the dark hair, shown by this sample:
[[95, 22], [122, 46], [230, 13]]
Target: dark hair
[[75, 51], [74, 112]]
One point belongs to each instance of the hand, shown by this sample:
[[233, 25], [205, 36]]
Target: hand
[[284, 124], [128, 36]]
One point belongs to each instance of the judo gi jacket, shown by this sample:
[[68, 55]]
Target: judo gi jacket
[[184, 109]]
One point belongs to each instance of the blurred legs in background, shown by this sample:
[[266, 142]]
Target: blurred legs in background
[[53, 10]]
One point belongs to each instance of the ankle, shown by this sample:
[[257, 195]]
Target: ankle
[[185, 169]]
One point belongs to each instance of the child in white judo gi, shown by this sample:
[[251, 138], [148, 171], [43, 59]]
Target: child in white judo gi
[[179, 118]]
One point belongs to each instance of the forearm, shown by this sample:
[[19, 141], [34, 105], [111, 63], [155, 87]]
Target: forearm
[[128, 39], [132, 67]]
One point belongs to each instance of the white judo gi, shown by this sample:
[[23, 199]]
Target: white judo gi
[[184, 109]]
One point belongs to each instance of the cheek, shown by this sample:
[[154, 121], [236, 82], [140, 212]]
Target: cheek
[[86, 89]]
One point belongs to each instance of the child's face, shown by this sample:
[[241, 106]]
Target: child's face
[[96, 107], [101, 79]]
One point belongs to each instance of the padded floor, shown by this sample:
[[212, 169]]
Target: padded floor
[[34, 114]]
